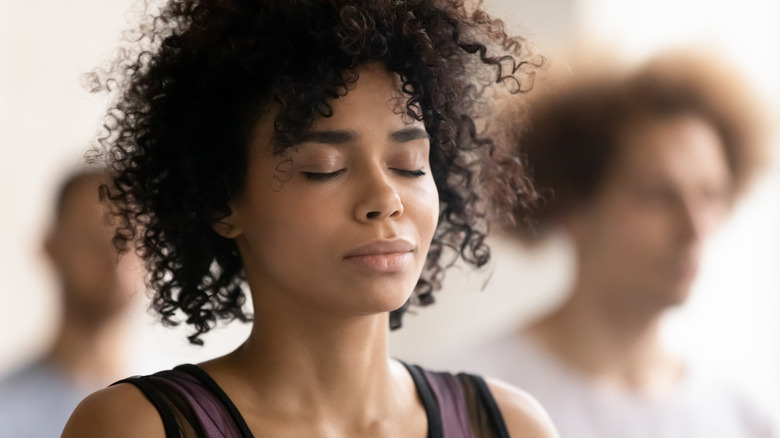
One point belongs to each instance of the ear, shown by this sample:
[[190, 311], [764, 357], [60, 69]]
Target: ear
[[227, 225]]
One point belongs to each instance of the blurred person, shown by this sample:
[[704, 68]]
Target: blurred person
[[319, 157], [88, 351], [638, 168]]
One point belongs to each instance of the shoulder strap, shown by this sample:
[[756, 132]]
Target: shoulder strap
[[191, 404], [464, 405], [154, 396], [489, 404], [209, 383], [428, 400]]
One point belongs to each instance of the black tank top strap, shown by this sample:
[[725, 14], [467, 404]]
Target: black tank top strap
[[428, 399], [206, 380], [488, 403], [191, 404], [464, 404], [158, 401]]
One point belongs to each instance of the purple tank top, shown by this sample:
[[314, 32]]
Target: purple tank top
[[192, 405]]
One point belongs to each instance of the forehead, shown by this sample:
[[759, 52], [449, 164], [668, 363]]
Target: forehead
[[374, 96], [375, 99], [681, 147]]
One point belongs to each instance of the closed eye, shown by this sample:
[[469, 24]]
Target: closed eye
[[316, 176], [410, 173]]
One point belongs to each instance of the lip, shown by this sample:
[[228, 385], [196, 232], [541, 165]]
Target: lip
[[382, 247], [382, 256]]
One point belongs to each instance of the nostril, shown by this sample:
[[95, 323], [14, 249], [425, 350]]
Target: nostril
[[372, 214]]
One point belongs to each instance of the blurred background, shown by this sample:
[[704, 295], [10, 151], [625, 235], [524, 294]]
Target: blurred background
[[47, 120]]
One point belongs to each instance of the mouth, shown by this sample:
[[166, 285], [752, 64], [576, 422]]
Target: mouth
[[382, 247], [384, 256]]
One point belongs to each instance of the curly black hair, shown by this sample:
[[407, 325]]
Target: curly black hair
[[197, 75]]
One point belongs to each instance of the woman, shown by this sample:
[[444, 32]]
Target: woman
[[324, 154]]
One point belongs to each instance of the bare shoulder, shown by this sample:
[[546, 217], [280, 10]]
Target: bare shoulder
[[524, 416], [118, 411]]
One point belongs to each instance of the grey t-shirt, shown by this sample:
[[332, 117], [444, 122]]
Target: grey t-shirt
[[701, 406], [37, 400]]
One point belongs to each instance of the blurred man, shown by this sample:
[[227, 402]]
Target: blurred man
[[639, 171], [88, 350]]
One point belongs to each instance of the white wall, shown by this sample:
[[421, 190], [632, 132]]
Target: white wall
[[46, 120]]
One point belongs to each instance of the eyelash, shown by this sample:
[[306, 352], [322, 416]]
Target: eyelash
[[410, 173], [314, 176]]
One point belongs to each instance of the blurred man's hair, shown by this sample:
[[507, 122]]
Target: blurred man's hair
[[570, 132]]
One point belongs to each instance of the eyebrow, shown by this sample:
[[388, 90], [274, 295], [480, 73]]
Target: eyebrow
[[329, 137], [408, 134], [345, 136]]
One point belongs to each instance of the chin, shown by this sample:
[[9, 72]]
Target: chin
[[674, 296], [385, 301], [395, 302]]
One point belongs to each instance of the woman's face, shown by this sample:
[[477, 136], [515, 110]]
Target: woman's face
[[343, 222]]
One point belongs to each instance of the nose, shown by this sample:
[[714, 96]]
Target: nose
[[378, 199], [696, 222], [687, 224]]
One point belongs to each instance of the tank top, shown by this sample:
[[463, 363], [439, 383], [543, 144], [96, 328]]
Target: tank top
[[192, 405]]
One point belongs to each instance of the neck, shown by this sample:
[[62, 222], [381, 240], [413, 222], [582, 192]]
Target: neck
[[335, 372], [612, 346], [92, 353]]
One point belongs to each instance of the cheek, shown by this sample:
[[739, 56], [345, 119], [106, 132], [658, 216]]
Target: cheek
[[621, 232], [85, 263], [293, 223], [425, 204], [641, 237]]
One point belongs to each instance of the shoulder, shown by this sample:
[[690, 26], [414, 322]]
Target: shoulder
[[523, 415], [117, 411]]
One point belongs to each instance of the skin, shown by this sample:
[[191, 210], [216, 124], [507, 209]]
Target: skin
[[316, 362], [638, 244], [95, 289]]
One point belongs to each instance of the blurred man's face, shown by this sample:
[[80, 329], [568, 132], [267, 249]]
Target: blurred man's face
[[642, 235], [96, 284]]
